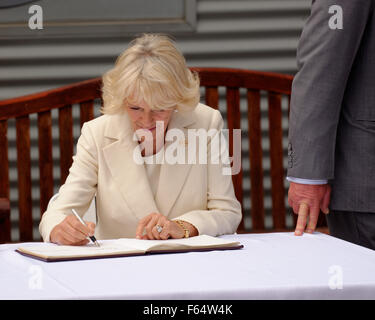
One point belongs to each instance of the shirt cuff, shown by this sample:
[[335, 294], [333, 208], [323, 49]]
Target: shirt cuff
[[306, 181]]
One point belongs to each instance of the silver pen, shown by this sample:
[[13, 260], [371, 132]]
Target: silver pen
[[92, 238]]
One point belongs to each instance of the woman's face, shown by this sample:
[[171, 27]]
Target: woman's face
[[144, 119]]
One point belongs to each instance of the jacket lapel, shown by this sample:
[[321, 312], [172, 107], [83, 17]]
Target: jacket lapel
[[130, 177], [173, 176]]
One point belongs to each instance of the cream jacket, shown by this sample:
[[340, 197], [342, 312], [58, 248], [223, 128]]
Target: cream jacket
[[104, 166]]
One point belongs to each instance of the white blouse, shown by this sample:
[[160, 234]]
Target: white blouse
[[152, 166]]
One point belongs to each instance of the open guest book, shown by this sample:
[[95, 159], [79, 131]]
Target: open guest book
[[125, 247]]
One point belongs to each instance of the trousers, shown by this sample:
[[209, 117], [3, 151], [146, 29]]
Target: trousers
[[355, 227]]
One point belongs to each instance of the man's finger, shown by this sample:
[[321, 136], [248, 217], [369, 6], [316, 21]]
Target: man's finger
[[313, 219], [290, 202], [295, 208], [303, 213], [326, 200]]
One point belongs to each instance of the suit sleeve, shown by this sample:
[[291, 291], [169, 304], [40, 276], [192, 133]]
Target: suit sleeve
[[79, 188], [325, 57], [223, 214]]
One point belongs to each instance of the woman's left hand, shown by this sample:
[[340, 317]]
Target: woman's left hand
[[170, 229]]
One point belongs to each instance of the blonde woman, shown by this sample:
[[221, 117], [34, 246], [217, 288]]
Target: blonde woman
[[149, 92]]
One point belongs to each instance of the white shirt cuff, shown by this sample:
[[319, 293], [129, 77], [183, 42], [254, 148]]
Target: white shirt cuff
[[306, 181]]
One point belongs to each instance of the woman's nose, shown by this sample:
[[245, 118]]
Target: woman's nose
[[147, 119]]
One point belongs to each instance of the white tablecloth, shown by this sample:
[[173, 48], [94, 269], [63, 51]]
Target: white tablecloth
[[270, 266]]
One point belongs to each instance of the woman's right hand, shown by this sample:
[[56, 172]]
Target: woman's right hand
[[72, 232]]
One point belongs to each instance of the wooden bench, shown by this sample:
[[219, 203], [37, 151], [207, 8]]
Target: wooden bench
[[83, 94]]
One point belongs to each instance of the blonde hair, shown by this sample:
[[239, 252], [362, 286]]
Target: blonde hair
[[154, 70]]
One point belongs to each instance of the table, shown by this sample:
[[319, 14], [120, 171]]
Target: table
[[270, 266]]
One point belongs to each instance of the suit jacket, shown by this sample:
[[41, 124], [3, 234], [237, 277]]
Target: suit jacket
[[332, 115], [104, 165]]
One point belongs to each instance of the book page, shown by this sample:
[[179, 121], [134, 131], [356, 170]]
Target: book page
[[197, 242], [89, 250]]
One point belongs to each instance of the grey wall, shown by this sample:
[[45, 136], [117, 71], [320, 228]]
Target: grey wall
[[260, 35]]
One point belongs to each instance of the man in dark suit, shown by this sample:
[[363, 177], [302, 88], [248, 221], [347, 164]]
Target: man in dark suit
[[332, 121]]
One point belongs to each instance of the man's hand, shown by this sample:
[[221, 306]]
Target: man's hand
[[307, 201]]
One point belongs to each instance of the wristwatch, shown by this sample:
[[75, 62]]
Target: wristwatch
[[186, 231]]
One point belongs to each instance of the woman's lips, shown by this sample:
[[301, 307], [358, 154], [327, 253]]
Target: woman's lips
[[153, 128]]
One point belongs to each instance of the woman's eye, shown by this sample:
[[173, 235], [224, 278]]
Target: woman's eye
[[135, 108]]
